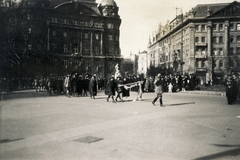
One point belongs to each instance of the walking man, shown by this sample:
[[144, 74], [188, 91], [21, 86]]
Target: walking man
[[158, 90]]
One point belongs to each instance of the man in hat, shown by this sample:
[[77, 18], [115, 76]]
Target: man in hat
[[159, 90]]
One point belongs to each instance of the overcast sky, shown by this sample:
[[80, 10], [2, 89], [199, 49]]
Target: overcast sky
[[140, 18]]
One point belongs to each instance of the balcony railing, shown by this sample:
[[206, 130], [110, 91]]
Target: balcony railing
[[200, 44], [201, 56]]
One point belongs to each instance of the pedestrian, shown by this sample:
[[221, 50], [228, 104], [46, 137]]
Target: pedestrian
[[93, 87], [67, 85], [126, 89], [110, 90], [139, 87], [170, 87], [229, 90], [85, 85], [119, 84], [159, 90]]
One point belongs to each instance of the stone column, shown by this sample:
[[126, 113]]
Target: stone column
[[101, 43], [209, 51], [81, 43], [192, 48], [226, 46]]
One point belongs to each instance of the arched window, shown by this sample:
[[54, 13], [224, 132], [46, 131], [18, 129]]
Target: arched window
[[220, 39], [203, 39], [214, 39], [196, 39], [221, 51], [215, 51]]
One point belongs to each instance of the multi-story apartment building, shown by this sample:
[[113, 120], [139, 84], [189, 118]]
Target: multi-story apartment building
[[64, 37], [204, 41]]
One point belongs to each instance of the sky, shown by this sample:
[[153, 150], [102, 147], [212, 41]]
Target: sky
[[140, 18]]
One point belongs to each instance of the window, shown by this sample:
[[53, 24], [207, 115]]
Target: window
[[86, 49], [197, 28], [110, 26], [238, 50], [66, 63], [55, 61], [203, 64], [215, 51], [221, 51], [29, 47], [231, 39], [238, 38], [86, 36], [203, 27], [232, 26], [65, 49], [117, 38], [110, 50], [39, 61], [214, 39], [65, 34], [54, 33], [110, 37], [97, 36], [203, 39], [238, 26], [75, 48], [220, 39], [197, 39], [214, 27], [221, 27], [96, 50]]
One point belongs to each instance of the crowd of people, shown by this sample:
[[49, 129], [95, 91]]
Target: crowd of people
[[116, 88]]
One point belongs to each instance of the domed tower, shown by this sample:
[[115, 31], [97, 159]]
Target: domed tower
[[109, 8]]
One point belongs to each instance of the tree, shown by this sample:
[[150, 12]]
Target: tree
[[21, 37]]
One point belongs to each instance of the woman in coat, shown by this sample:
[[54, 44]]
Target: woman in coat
[[110, 90]]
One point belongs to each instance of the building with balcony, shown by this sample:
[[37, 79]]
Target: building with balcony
[[62, 37], [203, 41]]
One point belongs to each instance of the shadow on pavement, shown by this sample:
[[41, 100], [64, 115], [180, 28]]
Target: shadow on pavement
[[26, 94], [229, 153], [10, 140]]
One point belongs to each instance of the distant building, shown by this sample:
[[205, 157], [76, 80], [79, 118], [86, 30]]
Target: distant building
[[63, 36], [134, 59], [204, 41], [142, 63], [126, 68]]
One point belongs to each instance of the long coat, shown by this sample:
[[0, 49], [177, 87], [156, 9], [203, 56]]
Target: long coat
[[111, 88], [93, 87]]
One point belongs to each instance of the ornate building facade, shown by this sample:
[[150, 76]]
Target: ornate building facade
[[64, 37], [204, 41]]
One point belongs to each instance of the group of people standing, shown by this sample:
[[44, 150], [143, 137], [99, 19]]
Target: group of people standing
[[232, 88]]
